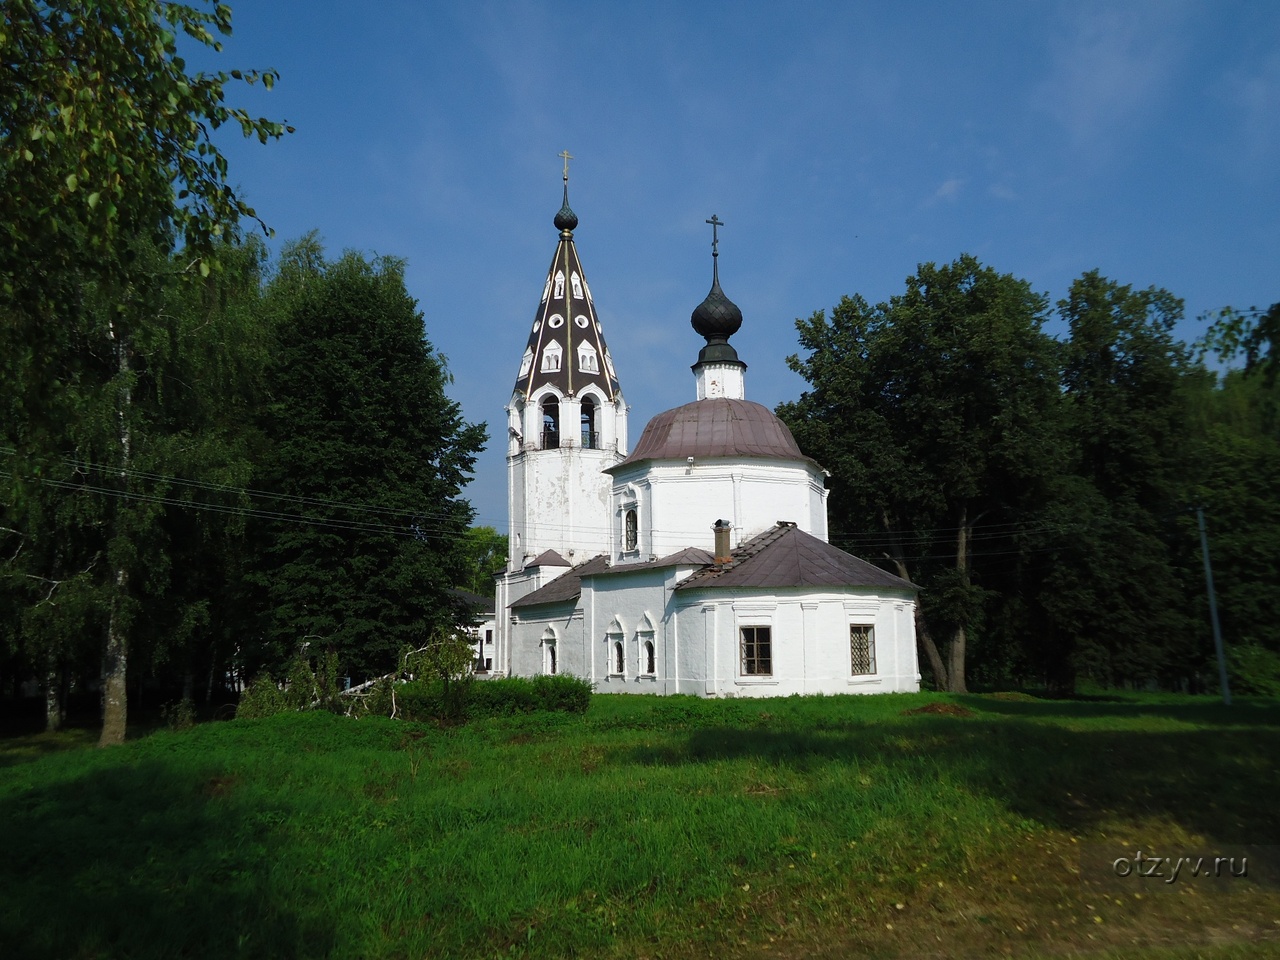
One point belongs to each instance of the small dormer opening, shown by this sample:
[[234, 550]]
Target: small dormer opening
[[590, 431], [550, 423], [551, 356]]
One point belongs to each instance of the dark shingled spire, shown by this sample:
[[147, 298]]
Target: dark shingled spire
[[566, 348], [716, 318]]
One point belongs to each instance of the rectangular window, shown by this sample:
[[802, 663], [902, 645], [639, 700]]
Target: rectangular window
[[488, 637], [862, 649], [757, 652]]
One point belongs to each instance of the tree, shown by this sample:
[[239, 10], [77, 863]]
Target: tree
[[934, 414], [485, 556], [106, 163], [1124, 382], [368, 457], [1254, 333]]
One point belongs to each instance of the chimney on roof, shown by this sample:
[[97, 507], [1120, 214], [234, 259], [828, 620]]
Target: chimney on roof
[[722, 528]]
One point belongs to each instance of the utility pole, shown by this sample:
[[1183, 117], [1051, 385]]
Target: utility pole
[[1213, 609]]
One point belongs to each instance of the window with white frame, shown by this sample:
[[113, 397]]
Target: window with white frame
[[613, 637], [862, 649], [631, 525], [648, 651], [550, 662], [757, 651]]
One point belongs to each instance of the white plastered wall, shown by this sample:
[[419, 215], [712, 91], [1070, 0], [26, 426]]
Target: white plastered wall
[[677, 502], [809, 641]]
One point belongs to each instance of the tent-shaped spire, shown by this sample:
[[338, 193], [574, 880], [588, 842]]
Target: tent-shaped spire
[[566, 348]]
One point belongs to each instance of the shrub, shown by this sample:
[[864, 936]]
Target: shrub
[[467, 699], [1254, 670], [420, 700], [262, 698], [179, 715], [562, 693], [503, 697]]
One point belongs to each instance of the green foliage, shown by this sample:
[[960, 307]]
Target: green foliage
[[484, 556], [1236, 459], [179, 715], [107, 164], [1253, 333], [368, 457], [106, 137], [934, 413], [472, 699], [263, 697], [1253, 670]]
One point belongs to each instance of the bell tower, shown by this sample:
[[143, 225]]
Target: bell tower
[[566, 422]]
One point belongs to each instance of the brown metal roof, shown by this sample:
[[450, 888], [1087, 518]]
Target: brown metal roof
[[786, 556], [715, 427], [688, 557], [567, 586], [548, 558]]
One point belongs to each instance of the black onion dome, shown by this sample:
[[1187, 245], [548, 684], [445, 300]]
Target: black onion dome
[[566, 219], [716, 318]]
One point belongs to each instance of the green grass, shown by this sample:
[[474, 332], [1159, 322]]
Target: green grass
[[648, 827]]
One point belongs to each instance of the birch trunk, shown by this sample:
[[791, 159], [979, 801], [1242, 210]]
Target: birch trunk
[[115, 693], [958, 638], [54, 710]]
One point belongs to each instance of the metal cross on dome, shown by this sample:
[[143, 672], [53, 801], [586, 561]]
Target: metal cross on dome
[[567, 158], [716, 224]]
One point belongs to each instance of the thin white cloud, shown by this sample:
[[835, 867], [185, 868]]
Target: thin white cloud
[[949, 189], [1254, 95], [1108, 65]]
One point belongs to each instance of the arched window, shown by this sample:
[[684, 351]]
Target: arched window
[[552, 353], [632, 530], [619, 660], [590, 438], [650, 661], [549, 664], [550, 423]]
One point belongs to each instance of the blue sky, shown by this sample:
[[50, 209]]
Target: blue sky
[[842, 144]]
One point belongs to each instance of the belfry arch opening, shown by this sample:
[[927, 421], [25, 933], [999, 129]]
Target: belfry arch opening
[[550, 423], [590, 424]]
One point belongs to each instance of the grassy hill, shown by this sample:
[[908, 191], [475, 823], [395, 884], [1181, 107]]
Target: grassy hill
[[896, 826]]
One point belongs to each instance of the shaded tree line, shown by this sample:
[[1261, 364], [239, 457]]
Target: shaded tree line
[[208, 460], [293, 483], [1039, 489]]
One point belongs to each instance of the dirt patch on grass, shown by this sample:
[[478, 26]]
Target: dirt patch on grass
[[940, 709], [1030, 902], [221, 786]]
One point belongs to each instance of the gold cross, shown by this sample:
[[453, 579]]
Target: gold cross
[[567, 158]]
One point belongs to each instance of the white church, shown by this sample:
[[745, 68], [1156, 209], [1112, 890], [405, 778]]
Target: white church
[[696, 562]]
